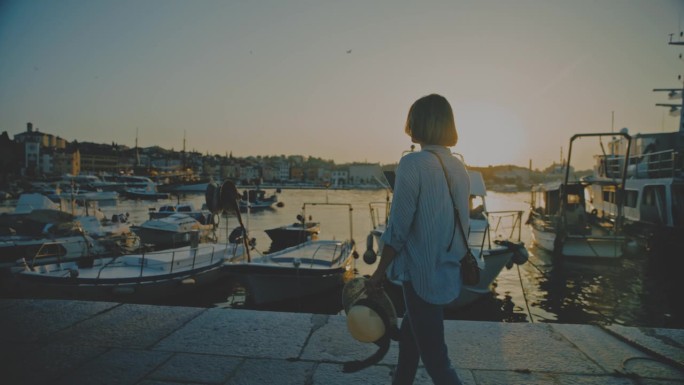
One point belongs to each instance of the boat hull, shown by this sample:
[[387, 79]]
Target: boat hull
[[578, 246], [292, 273], [495, 260], [135, 278]]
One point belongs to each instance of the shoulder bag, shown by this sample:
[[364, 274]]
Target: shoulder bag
[[470, 271]]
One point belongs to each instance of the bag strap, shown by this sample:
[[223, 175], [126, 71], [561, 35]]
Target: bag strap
[[457, 217]]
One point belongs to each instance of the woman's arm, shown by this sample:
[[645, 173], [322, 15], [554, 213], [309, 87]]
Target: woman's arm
[[374, 284]]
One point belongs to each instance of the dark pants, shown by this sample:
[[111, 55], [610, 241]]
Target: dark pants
[[422, 337]]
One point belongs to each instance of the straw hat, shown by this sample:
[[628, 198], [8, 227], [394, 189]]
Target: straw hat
[[369, 318]]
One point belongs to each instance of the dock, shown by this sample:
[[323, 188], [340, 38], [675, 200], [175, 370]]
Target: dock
[[76, 342]]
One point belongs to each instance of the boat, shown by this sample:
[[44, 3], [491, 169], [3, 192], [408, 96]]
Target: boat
[[81, 196], [292, 234], [185, 187], [149, 193], [203, 216], [562, 222], [172, 231], [495, 248], [16, 250], [40, 232], [309, 268], [256, 199], [130, 278], [653, 206], [652, 209]]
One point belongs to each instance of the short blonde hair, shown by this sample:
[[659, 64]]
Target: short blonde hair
[[431, 121]]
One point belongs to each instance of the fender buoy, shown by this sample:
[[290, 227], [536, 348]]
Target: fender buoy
[[236, 235], [369, 256], [211, 197]]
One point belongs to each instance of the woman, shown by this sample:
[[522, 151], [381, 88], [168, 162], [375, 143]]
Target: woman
[[423, 246]]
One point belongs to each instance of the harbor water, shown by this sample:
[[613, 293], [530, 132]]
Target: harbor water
[[638, 290]]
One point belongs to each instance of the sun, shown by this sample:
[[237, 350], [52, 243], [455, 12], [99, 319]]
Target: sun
[[490, 135]]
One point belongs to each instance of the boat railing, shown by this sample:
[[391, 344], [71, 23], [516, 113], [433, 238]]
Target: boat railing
[[660, 164], [146, 257], [379, 213], [504, 225]]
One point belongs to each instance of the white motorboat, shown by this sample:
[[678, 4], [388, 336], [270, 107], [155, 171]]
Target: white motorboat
[[17, 250], [561, 222], [172, 231], [495, 249], [307, 269], [131, 278], [203, 216]]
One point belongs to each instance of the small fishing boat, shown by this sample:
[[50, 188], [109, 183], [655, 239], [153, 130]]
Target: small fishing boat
[[292, 234], [561, 222], [300, 271], [256, 199], [310, 268], [130, 278]]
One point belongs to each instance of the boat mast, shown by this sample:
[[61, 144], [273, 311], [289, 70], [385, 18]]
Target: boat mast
[[137, 153], [675, 93]]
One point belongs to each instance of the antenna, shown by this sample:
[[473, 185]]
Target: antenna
[[137, 154]]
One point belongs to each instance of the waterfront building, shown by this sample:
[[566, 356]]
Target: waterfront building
[[365, 173], [338, 177]]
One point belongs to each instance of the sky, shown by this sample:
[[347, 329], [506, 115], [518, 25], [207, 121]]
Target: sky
[[335, 79]]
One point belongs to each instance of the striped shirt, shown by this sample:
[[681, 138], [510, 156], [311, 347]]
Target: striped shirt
[[421, 224]]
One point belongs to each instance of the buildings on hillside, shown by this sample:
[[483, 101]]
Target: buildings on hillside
[[36, 154]]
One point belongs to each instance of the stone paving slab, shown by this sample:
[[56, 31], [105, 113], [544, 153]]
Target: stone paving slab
[[186, 367], [602, 348], [514, 346], [242, 333], [128, 326], [40, 319], [29, 364], [666, 342], [115, 367], [269, 371]]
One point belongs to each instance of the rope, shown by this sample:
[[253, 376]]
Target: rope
[[522, 288]]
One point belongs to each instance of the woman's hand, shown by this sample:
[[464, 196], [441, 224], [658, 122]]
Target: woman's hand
[[374, 284]]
